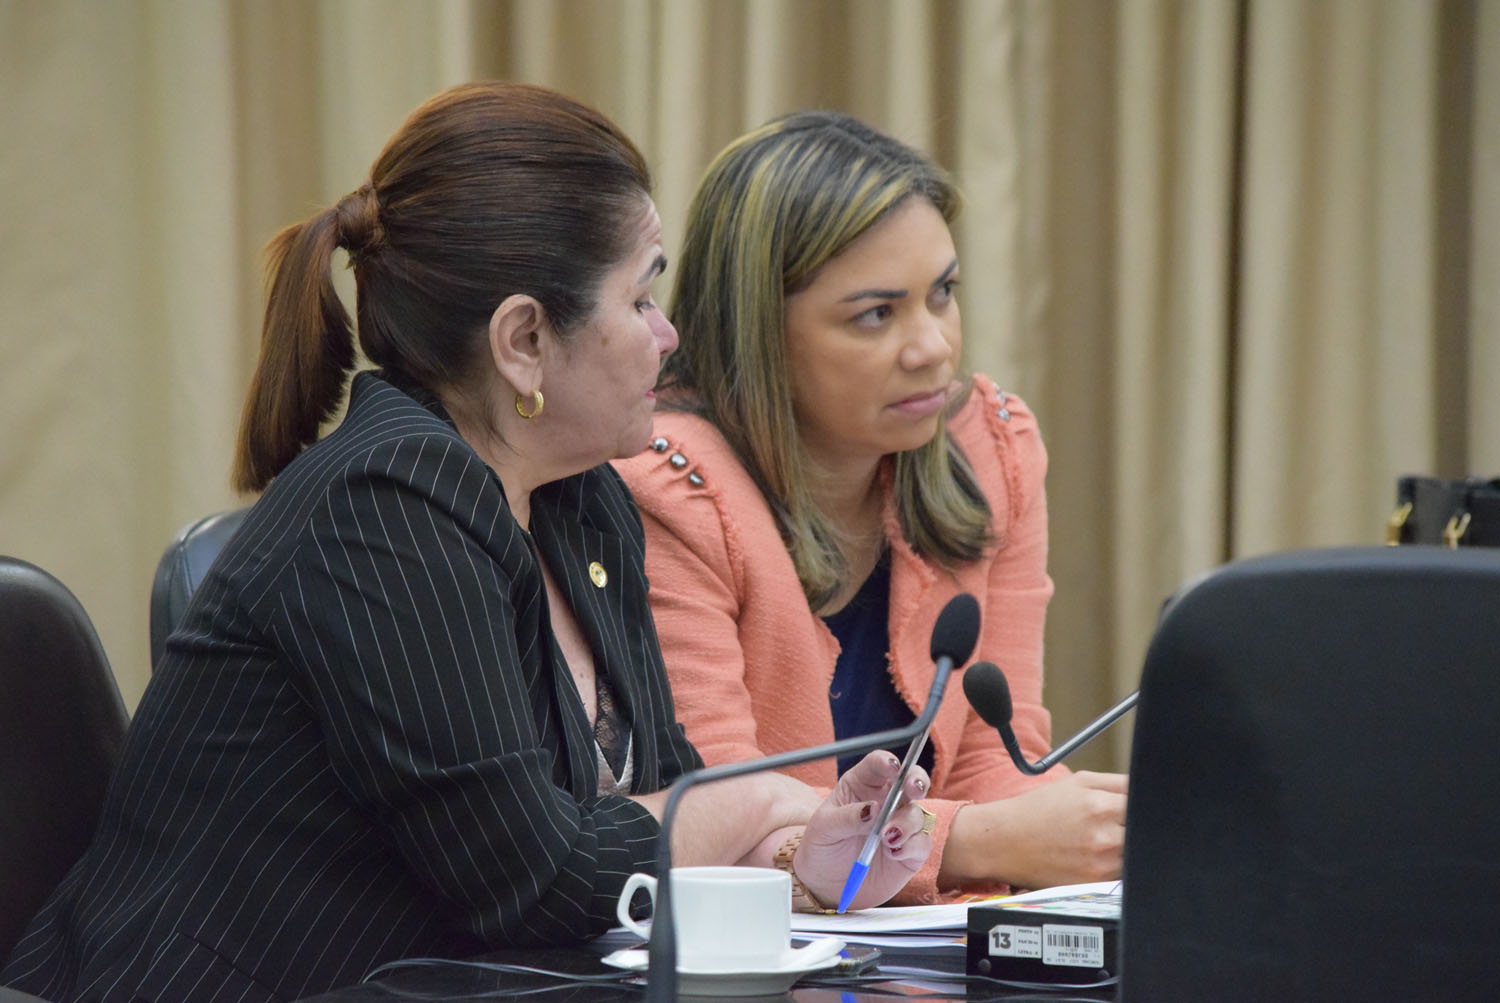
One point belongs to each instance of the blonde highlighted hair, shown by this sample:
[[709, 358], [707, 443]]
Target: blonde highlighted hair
[[772, 208]]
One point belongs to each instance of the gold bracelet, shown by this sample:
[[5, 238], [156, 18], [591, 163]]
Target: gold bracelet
[[803, 900]]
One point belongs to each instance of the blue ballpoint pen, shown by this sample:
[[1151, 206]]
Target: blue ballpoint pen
[[872, 841]]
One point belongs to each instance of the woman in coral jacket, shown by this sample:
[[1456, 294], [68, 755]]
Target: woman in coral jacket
[[821, 482]]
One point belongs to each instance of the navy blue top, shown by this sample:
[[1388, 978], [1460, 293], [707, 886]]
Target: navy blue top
[[862, 696]]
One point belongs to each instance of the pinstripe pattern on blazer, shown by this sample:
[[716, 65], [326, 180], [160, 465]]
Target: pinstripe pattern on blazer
[[363, 742]]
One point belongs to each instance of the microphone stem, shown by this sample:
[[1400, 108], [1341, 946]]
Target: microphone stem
[[1087, 734]]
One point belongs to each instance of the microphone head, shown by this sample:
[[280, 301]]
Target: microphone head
[[957, 629], [988, 693]]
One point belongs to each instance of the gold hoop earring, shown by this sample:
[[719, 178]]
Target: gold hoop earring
[[536, 405]]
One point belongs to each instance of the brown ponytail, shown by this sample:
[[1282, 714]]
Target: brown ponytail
[[487, 189], [306, 352]]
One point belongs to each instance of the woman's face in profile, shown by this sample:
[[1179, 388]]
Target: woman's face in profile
[[600, 402], [873, 341]]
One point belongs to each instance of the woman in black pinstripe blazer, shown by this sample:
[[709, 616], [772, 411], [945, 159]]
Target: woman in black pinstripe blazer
[[417, 706]]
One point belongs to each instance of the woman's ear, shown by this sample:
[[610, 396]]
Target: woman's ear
[[517, 328]]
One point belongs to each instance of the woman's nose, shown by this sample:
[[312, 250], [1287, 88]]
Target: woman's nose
[[666, 334], [930, 343]]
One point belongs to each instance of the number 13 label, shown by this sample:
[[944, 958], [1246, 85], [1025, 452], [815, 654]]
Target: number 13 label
[[1015, 942]]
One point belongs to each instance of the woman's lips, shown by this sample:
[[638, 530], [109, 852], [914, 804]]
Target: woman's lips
[[921, 405]]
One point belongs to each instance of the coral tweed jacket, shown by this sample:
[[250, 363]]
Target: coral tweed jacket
[[749, 661]]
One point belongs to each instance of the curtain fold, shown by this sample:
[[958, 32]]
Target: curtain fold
[[1481, 300], [1239, 255], [1177, 123]]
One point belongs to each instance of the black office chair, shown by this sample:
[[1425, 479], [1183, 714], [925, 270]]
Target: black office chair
[[182, 567], [62, 725], [1314, 804]]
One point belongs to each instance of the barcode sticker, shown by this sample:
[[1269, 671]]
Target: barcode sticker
[[1015, 942], [1073, 945]]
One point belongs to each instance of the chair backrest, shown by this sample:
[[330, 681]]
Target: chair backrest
[[62, 725], [182, 567], [1315, 787]]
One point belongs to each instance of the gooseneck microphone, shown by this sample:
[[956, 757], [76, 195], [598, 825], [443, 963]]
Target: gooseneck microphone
[[989, 694], [953, 638]]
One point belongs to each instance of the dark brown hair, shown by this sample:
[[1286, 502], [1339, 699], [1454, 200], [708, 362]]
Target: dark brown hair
[[487, 190]]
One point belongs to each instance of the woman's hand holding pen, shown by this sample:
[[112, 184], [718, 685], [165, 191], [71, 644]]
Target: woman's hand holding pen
[[837, 831]]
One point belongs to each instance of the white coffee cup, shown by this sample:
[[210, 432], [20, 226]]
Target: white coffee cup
[[728, 919]]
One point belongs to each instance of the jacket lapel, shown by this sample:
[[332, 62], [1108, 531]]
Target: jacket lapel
[[592, 568]]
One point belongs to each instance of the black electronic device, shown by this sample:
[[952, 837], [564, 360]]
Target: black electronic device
[[857, 959], [1068, 938]]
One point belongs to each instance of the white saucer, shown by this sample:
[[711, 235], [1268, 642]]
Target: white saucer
[[816, 956]]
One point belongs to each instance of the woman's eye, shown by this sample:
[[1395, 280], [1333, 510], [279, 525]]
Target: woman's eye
[[646, 304], [875, 316], [946, 290]]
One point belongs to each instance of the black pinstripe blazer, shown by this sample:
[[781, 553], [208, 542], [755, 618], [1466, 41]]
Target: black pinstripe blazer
[[363, 743]]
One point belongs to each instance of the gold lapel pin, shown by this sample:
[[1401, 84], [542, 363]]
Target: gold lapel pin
[[597, 573]]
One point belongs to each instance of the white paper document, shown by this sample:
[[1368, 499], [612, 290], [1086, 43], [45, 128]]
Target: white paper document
[[948, 917]]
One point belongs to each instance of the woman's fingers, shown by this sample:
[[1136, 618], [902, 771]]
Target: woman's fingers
[[868, 779], [847, 823], [1118, 783], [909, 833], [871, 778]]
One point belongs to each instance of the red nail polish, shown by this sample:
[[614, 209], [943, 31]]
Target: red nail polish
[[864, 813], [892, 834]]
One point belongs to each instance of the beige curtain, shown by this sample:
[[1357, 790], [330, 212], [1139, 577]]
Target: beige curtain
[[1241, 256]]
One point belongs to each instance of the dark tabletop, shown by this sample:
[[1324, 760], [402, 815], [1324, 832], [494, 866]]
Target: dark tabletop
[[468, 982]]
